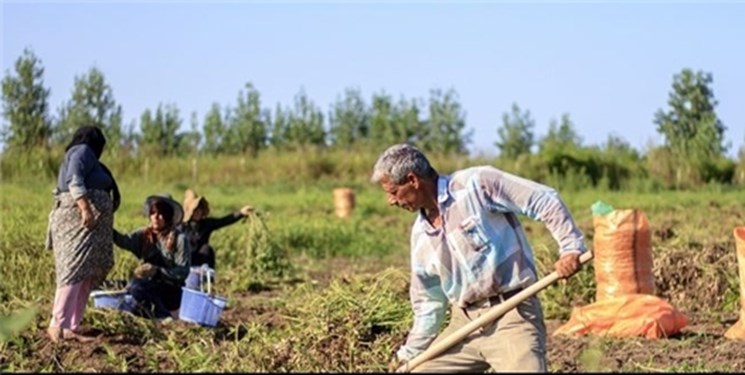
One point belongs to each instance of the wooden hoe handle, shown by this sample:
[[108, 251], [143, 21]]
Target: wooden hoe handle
[[488, 317]]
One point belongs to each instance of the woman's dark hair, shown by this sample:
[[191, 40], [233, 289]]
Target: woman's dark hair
[[162, 207], [91, 136]]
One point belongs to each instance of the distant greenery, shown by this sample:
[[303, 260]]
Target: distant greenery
[[255, 135]]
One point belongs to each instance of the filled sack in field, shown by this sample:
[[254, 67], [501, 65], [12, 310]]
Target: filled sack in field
[[737, 331], [630, 315], [622, 252]]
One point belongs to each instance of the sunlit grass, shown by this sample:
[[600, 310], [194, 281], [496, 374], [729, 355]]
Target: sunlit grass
[[343, 305]]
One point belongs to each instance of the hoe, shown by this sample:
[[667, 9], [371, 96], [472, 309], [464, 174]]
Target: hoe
[[491, 315]]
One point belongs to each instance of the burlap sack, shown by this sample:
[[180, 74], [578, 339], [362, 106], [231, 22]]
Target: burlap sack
[[737, 331], [623, 254]]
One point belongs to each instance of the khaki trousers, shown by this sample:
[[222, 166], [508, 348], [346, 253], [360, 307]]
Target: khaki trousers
[[516, 342]]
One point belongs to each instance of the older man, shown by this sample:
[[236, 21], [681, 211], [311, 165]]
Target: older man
[[468, 250]]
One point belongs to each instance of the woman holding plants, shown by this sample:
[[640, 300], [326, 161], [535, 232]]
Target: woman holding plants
[[199, 226], [80, 230], [164, 254]]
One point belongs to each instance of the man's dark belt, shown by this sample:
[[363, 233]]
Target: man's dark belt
[[494, 300]]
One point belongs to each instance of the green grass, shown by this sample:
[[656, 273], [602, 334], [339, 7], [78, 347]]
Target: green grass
[[350, 322]]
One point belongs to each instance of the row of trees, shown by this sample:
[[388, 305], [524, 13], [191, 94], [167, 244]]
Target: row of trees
[[694, 135], [244, 128]]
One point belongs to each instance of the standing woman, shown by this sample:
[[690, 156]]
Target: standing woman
[[80, 230], [164, 253]]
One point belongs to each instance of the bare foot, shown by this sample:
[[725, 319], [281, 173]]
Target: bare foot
[[55, 334], [72, 335]]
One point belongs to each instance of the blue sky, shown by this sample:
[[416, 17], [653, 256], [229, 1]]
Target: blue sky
[[610, 65]]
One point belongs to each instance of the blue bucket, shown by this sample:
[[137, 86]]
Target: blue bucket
[[198, 306], [195, 278], [118, 300], [201, 308]]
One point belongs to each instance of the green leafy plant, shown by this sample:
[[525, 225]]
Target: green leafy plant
[[11, 324], [265, 258]]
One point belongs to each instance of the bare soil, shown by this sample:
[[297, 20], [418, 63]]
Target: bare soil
[[701, 346]]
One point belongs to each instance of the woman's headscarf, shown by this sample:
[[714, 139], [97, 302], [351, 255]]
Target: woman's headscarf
[[91, 136]]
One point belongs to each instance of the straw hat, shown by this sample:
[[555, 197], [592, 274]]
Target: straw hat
[[192, 201], [178, 212]]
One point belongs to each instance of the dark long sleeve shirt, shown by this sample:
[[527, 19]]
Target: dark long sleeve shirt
[[173, 266], [200, 231]]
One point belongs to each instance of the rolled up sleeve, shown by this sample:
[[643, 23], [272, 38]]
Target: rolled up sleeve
[[81, 161]]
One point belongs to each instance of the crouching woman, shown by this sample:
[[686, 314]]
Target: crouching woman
[[165, 255]]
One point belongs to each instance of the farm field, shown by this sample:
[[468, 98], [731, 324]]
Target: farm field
[[342, 304]]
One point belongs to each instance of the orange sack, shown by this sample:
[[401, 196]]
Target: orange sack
[[625, 303], [631, 315], [622, 254], [737, 331]]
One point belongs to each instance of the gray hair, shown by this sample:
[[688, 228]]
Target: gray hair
[[398, 161]]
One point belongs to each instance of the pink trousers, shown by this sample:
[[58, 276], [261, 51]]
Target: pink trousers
[[69, 305]]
